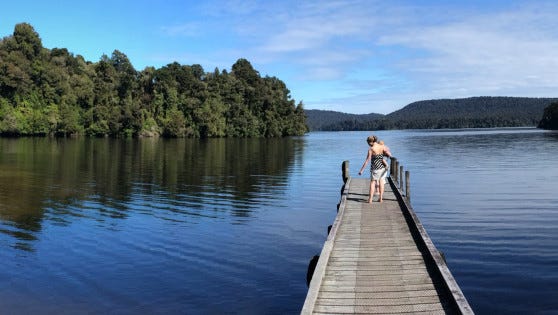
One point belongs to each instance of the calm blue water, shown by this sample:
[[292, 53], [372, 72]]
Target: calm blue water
[[229, 226]]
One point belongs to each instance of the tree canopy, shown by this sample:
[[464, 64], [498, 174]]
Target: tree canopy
[[550, 117], [327, 120], [54, 92]]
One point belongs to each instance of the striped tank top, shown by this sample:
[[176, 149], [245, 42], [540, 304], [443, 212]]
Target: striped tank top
[[377, 161]]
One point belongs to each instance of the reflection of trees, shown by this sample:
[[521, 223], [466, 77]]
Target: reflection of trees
[[53, 175]]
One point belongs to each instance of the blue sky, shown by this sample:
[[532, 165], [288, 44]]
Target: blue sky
[[354, 56]]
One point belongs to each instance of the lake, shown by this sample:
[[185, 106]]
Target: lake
[[184, 226]]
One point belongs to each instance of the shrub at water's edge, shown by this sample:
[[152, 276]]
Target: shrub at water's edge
[[550, 117], [52, 92]]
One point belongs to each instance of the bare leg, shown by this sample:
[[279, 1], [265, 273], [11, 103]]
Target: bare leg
[[382, 182], [372, 189]]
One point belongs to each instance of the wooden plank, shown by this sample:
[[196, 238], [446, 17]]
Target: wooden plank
[[379, 309], [378, 288], [380, 294], [365, 300]]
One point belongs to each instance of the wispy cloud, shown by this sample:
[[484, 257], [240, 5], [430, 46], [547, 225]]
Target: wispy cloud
[[504, 53], [380, 55], [316, 28], [508, 52]]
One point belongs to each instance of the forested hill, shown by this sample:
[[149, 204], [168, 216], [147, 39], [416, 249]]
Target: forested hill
[[54, 92], [327, 120], [474, 112]]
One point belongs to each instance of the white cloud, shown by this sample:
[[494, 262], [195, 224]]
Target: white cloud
[[316, 28], [323, 40], [498, 54]]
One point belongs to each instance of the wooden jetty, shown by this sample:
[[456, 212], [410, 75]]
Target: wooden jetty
[[378, 259]]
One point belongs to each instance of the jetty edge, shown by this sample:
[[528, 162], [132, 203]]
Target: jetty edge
[[378, 258]]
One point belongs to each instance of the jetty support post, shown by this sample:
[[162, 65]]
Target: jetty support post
[[407, 187], [345, 171], [401, 176], [394, 169]]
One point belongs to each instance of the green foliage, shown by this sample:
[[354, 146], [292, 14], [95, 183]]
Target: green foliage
[[327, 120], [210, 118], [550, 117], [174, 123], [53, 92]]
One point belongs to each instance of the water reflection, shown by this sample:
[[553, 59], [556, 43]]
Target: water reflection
[[62, 180]]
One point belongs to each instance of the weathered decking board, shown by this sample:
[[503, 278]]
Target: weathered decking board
[[377, 261]]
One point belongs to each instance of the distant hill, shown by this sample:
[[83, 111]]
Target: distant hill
[[327, 120], [473, 112]]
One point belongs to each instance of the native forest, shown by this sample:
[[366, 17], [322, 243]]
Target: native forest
[[54, 92]]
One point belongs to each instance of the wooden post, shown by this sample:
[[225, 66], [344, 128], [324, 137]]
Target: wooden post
[[401, 177], [395, 169], [407, 187], [345, 171]]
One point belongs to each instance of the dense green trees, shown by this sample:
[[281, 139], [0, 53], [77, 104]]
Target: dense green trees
[[52, 92], [327, 120]]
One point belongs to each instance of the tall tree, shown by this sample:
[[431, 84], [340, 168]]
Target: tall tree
[[550, 117]]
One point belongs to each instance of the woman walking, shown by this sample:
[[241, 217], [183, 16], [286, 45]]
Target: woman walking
[[378, 166]]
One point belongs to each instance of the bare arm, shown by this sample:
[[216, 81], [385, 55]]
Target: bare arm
[[368, 157], [387, 152]]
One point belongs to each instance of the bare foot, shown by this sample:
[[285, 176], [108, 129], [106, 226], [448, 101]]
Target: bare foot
[[369, 200], [381, 200]]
